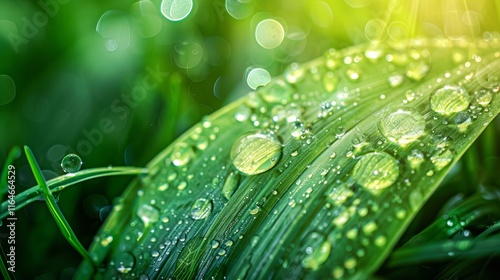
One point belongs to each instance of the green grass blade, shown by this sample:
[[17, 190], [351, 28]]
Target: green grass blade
[[62, 182], [54, 208], [313, 176]]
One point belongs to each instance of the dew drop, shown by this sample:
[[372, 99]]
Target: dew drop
[[277, 92], [255, 152], [71, 163], [317, 249], [148, 214], [417, 70], [462, 120], [330, 81], [395, 80], [402, 125], [269, 33], [124, 262], [176, 10], [483, 97], [294, 73], [377, 170], [230, 185], [415, 158], [182, 153], [242, 113], [442, 158], [450, 99], [201, 208]]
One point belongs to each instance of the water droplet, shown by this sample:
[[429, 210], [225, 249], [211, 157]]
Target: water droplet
[[255, 210], [230, 185], [214, 244], [395, 80], [330, 81], [339, 132], [377, 170], [294, 73], [359, 140], [242, 113], [402, 125], [201, 208], [71, 163], [238, 9], [483, 97], [462, 121], [338, 272], [318, 251], [269, 33], [175, 10], [258, 77], [417, 70], [415, 158], [148, 214], [350, 263], [380, 241], [124, 262], [255, 152], [450, 99], [277, 92], [182, 153], [8, 89], [369, 228], [442, 158]]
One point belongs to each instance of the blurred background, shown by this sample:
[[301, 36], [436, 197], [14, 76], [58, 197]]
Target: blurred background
[[116, 81]]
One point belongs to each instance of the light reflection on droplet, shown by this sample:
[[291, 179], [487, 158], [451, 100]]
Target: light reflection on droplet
[[258, 77], [269, 33], [176, 10]]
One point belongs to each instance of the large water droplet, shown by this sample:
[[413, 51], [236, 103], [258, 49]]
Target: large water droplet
[[269, 33], [148, 214], [255, 152], [442, 158], [71, 163], [124, 262], [450, 99], [176, 10], [317, 249], [277, 92], [377, 170], [402, 125], [415, 158], [201, 208]]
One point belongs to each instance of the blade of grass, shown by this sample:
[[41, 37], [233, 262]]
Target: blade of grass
[[59, 218], [62, 182]]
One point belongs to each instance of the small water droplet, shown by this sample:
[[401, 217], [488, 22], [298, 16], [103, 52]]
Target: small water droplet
[[277, 92], [462, 121], [317, 249], [350, 263], [442, 158], [450, 99], [377, 170], [330, 81], [242, 113], [359, 140], [294, 73], [182, 153], [402, 125], [201, 208], [415, 158], [483, 97], [231, 184], [71, 163], [380, 241], [148, 214], [255, 152], [339, 132], [395, 80], [124, 262], [417, 70]]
